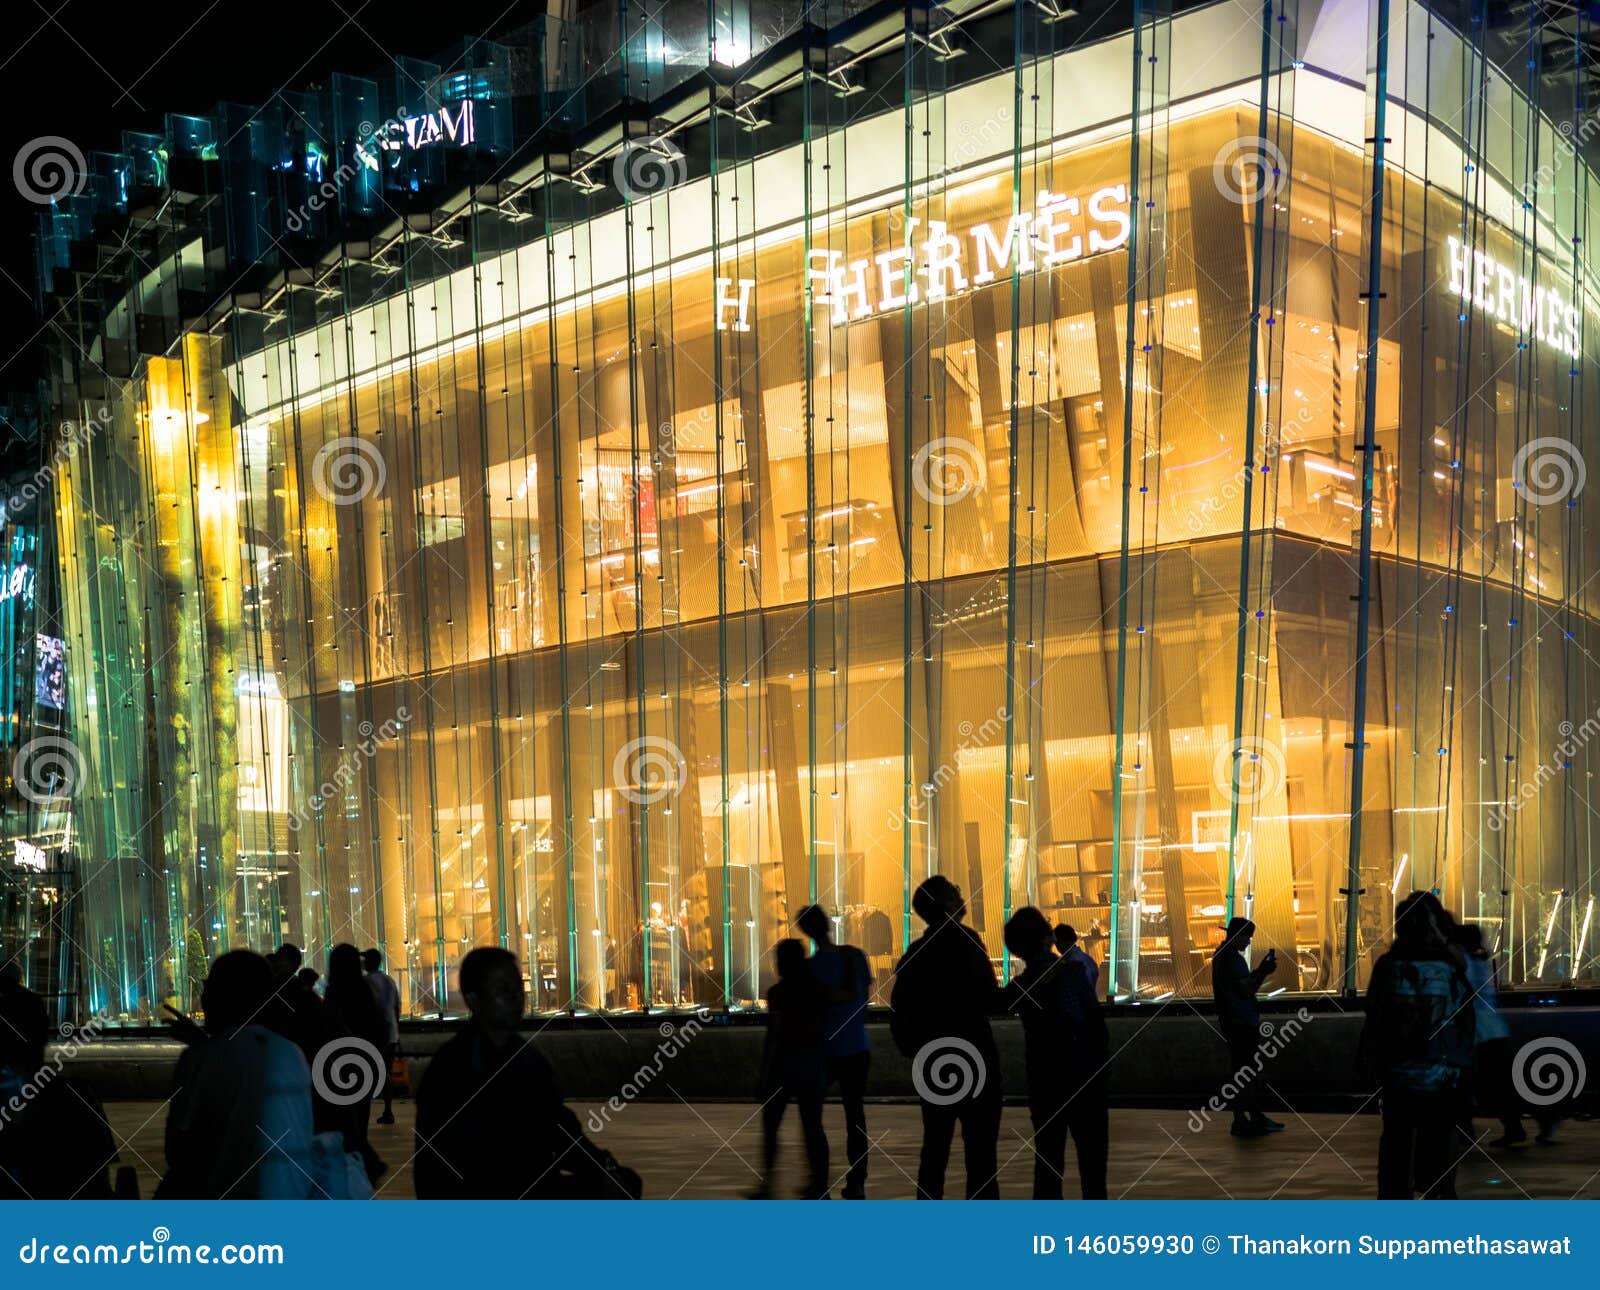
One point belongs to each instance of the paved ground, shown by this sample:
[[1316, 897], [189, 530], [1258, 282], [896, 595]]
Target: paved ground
[[711, 1150]]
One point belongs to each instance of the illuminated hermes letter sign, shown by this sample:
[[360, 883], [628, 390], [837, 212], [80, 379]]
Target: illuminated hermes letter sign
[[402, 134], [1493, 289], [733, 303], [940, 264]]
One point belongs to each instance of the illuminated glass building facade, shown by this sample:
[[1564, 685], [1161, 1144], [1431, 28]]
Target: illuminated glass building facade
[[37, 909], [684, 463]]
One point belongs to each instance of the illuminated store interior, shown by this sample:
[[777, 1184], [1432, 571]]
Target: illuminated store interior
[[1083, 456]]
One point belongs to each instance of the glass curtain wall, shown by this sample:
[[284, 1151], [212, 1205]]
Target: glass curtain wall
[[974, 486]]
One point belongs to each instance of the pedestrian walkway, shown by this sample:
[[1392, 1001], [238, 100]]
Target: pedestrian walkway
[[712, 1150]]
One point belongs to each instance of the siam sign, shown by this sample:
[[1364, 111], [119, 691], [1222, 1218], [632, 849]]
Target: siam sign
[[1494, 289], [406, 134], [933, 262]]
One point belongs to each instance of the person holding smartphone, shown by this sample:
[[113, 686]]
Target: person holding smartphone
[[1234, 986]]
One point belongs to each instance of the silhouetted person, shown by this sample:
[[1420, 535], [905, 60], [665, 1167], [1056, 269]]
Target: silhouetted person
[[1234, 986], [491, 1124], [239, 1121], [1418, 1042], [944, 991], [794, 1066], [1066, 937], [286, 959], [387, 995], [353, 1011], [845, 974], [1067, 1046], [55, 1142], [295, 1012], [298, 1014], [1493, 1050]]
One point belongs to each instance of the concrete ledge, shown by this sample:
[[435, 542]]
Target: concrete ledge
[[1161, 1056]]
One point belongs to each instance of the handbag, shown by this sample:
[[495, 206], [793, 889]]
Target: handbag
[[399, 1076], [337, 1174]]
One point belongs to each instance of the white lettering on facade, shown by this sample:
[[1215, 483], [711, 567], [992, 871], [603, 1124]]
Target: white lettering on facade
[[405, 134], [1492, 288], [934, 267], [738, 301]]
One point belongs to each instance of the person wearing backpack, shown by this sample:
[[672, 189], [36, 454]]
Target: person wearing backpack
[[846, 976], [1418, 1044]]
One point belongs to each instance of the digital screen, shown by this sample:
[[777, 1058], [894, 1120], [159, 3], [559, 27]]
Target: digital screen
[[50, 672]]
